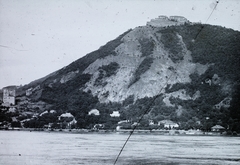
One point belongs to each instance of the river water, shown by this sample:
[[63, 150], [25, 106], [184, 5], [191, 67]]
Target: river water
[[58, 148]]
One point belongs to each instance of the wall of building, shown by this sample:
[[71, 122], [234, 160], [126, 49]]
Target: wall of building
[[9, 96], [164, 21]]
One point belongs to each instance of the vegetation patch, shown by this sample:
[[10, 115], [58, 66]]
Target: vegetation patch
[[106, 71], [172, 45], [59, 93], [142, 68], [147, 46]]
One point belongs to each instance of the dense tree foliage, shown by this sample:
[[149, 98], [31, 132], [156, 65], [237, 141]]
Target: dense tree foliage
[[106, 71], [147, 46], [172, 43]]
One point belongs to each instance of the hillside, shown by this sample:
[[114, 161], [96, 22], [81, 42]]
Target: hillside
[[172, 69]]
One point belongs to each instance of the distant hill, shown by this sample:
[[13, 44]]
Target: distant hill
[[171, 69]]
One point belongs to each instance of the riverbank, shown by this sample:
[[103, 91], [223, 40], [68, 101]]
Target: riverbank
[[128, 131]]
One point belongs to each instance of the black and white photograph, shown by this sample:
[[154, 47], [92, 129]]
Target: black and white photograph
[[119, 82]]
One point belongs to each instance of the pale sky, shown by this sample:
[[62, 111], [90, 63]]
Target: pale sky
[[38, 37]]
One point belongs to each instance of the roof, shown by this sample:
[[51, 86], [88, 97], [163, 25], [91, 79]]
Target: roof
[[51, 111], [94, 111], [167, 122], [10, 87], [218, 127], [66, 115], [115, 114]]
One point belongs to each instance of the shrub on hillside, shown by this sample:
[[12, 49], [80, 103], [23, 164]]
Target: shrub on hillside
[[142, 68]]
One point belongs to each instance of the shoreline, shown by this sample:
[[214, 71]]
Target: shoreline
[[126, 131]]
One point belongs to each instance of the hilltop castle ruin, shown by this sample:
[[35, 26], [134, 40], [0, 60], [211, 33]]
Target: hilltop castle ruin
[[163, 21]]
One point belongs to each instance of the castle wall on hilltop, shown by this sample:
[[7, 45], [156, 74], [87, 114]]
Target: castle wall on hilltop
[[178, 18], [163, 21]]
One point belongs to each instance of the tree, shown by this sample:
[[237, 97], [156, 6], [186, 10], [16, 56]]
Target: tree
[[16, 124]]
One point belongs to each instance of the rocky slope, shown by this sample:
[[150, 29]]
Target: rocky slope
[[172, 68]]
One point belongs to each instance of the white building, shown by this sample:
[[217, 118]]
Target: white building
[[123, 121], [164, 21], [65, 115], [217, 128], [151, 122], [94, 112], [178, 18], [45, 112], [115, 114], [168, 124]]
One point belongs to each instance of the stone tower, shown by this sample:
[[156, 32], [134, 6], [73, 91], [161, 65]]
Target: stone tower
[[9, 94]]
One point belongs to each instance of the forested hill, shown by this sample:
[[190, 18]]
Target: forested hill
[[185, 72]]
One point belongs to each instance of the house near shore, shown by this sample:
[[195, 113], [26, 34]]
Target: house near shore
[[115, 114], [124, 121], [217, 128], [65, 115], [168, 124], [94, 112]]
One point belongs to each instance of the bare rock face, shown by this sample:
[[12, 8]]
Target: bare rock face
[[162, 70]]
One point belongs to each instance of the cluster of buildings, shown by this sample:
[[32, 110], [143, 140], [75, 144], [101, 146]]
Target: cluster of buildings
[[97, 113], [9, 94]]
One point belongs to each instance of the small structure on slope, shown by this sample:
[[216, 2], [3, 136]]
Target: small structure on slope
[[94, 112], [115, 114]]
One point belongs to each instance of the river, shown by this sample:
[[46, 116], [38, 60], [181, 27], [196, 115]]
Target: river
[[58, 148]]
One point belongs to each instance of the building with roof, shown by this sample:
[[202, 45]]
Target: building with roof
[[94, 112], [178, 18], [217, 128], [115, 114], [151, 122], [124, 121], [65, 115], [168, 124], [164, 21]]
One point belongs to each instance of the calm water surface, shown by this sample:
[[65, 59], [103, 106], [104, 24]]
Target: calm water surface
[[43, 148]]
